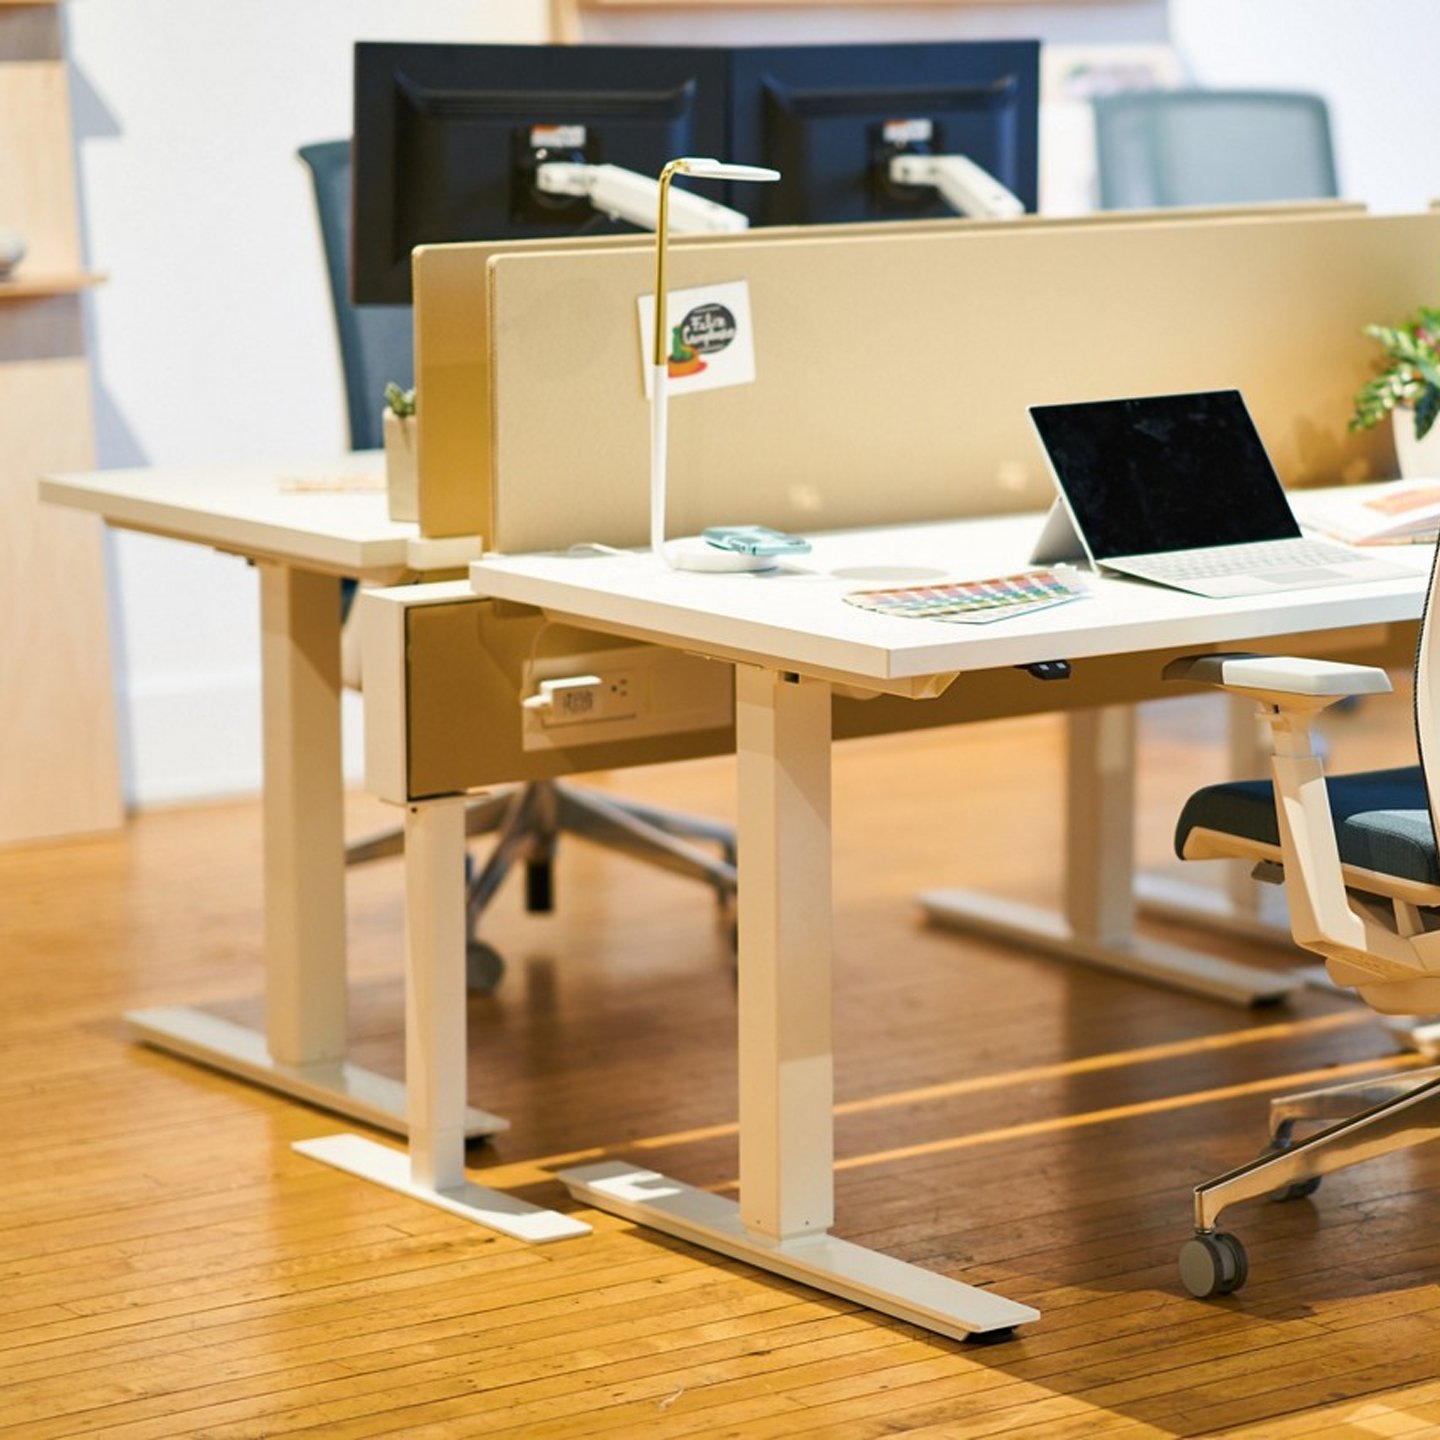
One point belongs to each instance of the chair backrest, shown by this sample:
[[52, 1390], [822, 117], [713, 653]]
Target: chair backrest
[[1427, 693], [1157, 148], [376, 341]]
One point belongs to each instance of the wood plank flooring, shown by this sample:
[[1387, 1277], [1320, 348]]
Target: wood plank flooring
[[169, 1267]]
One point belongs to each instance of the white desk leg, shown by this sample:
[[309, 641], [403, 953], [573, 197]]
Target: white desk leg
[[786, 1063], [1097, 926], [786, 1204], [302, 1052], [305, 989], [435, 1056]]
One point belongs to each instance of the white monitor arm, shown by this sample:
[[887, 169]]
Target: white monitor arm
[[965, 187], [625, 195]]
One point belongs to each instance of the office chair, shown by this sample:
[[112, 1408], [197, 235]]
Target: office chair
[[376, 346], [1157, 148], [1358, 857]]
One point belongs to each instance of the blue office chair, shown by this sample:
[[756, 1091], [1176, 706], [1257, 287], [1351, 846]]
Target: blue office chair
[[376, 342], [1359, 860], [376, 347], [1158, 148]]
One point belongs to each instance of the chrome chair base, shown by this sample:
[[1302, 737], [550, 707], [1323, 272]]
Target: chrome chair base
[[1371, 1118]]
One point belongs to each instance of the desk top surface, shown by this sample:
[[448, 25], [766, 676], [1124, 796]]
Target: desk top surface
[[794, 617], [328, 515]]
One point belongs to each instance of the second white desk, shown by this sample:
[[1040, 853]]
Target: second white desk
[[793, 642]]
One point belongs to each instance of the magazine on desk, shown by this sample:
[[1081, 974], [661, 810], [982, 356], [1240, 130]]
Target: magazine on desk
[[1399, 512]]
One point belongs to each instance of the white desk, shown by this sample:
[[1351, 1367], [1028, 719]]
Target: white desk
[[793, 640], [303, 542]]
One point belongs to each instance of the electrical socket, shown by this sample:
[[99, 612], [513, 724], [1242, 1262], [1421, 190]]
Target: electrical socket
[[624, 693], [584, 699]]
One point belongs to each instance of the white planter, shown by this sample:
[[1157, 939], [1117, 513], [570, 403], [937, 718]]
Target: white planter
[[1417, 459], [402, 469]]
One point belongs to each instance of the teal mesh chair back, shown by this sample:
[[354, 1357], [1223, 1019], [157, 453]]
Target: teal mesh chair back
[[1159, 148], [376, 343]]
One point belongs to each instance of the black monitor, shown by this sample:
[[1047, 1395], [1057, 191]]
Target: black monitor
[[831, 117], [447, 139]]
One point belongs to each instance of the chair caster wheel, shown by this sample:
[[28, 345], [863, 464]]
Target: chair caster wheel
[[1296, 1190], [1213, 1264], [483, 967]]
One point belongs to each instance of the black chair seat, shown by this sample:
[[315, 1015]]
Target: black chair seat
[[1382, 820]]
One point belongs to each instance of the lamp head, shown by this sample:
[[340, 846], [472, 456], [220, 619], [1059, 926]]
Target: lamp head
[[705, 168]]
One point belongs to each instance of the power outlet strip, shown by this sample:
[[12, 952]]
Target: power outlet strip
[[626, 693]]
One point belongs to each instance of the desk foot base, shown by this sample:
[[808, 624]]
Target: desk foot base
[[493, 1209], [339, 1087], [921, 1297], [1189, 902], [1032, 928]]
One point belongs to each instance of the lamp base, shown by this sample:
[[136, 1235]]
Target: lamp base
[[694, 552]]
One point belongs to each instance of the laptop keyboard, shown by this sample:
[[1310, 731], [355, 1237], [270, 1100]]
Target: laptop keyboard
[[1239, 559]]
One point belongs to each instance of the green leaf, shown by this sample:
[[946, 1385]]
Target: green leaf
[[1427, 407], [402, 402], [1410, 374], [1375, 400]]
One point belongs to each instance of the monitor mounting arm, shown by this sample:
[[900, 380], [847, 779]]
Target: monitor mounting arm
[[962, 183], [625, 195]]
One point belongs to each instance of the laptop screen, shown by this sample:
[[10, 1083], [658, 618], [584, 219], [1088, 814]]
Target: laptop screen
[[1165, 472]]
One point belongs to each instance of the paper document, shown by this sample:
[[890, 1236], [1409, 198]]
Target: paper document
[[1399, 512]]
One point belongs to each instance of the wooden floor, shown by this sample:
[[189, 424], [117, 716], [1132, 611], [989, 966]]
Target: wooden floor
[[169, 1267]]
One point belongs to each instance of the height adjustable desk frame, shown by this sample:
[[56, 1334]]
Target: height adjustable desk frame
[[302, 542], [793, 642], [305, 531]]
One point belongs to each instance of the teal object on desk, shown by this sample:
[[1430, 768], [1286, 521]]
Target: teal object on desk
[[755, 540]]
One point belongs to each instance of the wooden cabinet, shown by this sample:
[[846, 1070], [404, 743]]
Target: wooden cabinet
[[59, 766]]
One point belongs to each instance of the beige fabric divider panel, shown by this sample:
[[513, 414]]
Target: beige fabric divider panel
[[453, 340], [894, 372]]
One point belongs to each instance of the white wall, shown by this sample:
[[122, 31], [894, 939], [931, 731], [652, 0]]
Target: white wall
[[213, 338], [1374, 63]]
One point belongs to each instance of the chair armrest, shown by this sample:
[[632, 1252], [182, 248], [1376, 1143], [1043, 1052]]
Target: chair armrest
[[1278, 677], [1290, 692]]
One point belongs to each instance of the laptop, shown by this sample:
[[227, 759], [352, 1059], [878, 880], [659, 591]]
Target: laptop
[[1178, 490]]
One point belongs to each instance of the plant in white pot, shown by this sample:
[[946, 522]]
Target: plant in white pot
[[402, 470], [1407, 388]]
